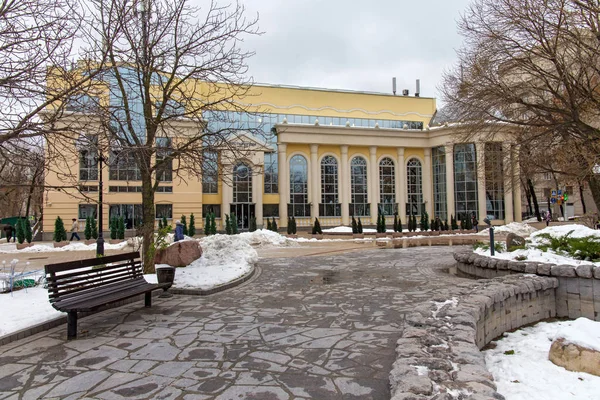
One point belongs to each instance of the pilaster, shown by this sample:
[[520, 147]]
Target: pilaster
[[481, 198], [314, 191], [449, 149], [345, 185], [284, 183], [372, 182], [401, 184]]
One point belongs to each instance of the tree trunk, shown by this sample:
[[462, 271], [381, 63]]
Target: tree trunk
[[535, 202], [31, 190], [528, 197], [595, 189], [582, 198], [148, 217]]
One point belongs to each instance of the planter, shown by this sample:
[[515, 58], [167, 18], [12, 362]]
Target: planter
[[397, 234], [358, 235], [165, 275], [91, 241], [380, 235], [292, 236], [115, 241], [61, 244], [21, 246], [318, 237]]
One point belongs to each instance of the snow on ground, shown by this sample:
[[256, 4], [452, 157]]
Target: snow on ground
[[518, 228], [529, 375], [9, 248], [266, 238], [348, 229], [24, 309], [531, 253], [582, 332]]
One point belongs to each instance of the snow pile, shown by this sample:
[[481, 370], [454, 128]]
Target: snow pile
[[581, 332], [576, 231], [518, 228], [24, 309], [266, 238], [224, 258], [9, 248], [529, 375]]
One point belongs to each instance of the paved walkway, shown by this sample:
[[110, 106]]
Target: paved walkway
[[320, 327]]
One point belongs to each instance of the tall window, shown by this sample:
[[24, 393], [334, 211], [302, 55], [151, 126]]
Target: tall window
[[414, 188], [465, 180], [299, 206], [358, 187], [210, 172], [440, 203], [123, 166], [131, 213], [242, 184], [329, 188], [271, 174], [88, 160], [164, 211], [164, 170], [494, 180], [87, 210], [387, 186]]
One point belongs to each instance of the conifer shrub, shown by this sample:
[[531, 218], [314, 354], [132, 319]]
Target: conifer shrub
[[192, 227], [121, 228], [28, 232], [354, 226], [20, 231], [185, 227], [234, 225], [87, 232], [228, 230], [274, 227], [269, 227], [60, 234], [207, 225], [252, 224], [294, 229], [114, 227], [316, 229], [94, 223], [359, 226]]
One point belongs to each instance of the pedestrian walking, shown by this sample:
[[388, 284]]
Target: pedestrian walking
[[74, 230], [8, 232], [548, 218], [475, 223], [178, 231]]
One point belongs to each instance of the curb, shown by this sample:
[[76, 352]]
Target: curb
[[217, 289]]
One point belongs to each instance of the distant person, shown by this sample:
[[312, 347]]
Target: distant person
[[475, 223], [548, 218], [178, 231], [74, 230], [8, 232]]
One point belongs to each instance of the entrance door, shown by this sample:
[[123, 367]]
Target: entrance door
[[243, 213]]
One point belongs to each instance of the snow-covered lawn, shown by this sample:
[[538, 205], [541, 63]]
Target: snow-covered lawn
[[24, 309], [518, 228], [536, 239], [529, 375], [49, 247]]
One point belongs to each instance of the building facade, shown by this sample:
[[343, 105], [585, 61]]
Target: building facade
[[318, 153]]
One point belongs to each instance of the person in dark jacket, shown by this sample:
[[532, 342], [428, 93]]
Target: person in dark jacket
[[8, 232], [178, 231], [475, 223]]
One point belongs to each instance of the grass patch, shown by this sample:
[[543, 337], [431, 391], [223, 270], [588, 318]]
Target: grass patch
[[585, 248]]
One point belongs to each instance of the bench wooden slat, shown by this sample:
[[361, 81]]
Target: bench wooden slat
[[73, 286], [99, 291], [90, 262], [130, 264]]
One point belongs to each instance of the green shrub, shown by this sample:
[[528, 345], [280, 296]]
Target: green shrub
[[274, 227], [359, 227], [121, 228], [192, 227], [28, 232], [185, 227], [234, 224], [60, 234], [354, 226], [114, 227], [87, 232], [20, 231], [295, 228], [316, 229], [207, 230], [227, 224], [94, 228], [252, 225]]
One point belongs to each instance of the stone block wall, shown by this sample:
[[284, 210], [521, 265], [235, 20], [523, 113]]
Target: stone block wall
[[578, 291], [438, 353]]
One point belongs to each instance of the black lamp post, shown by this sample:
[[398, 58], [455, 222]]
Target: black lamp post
[[491, 229], [100, 240]]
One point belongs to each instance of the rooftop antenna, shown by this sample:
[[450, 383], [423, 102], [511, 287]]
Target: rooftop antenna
[[394, 85], [418, 91]]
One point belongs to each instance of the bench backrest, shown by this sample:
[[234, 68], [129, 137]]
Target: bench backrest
[[75, 278]]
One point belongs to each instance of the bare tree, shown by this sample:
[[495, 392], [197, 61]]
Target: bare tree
[[168, 72], [533, 65]]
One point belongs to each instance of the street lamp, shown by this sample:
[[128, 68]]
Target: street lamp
[[491, 229]]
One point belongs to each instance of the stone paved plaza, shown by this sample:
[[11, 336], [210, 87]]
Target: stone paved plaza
[[321, 327]]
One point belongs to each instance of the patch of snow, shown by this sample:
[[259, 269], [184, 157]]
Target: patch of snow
[[421, 370], [266, 238], [582, 332], [518, 228], [535, 255], [529, 375], [10, 248], [24, 309], [441, 304], [578, 231]]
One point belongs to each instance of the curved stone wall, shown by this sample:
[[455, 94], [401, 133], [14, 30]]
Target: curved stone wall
[[438, 353]]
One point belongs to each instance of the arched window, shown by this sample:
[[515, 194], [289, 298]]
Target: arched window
[[414, 189], [387, 186], [465, 181], [358, 185], [330, 206], [242, 184], [298, 206]]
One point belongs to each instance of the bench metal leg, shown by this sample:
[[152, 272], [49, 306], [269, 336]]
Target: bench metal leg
[[71, 325], [148, 299]]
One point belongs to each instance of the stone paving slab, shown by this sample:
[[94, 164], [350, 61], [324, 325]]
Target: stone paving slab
[[303, 328]]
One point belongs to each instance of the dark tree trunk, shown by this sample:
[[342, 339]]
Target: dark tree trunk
[[148, 217], [595, 189], [528, 196], [535, 202], [31, 190], [582, 198]]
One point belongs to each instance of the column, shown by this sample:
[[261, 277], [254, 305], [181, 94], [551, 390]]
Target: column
[[314, 191], [345, 185], [449, 149], [427, 182], [508, 184], [518, 213], [373, 186], [257, 194], [401, 184], [481, 198], [227, 197], [283, 178]]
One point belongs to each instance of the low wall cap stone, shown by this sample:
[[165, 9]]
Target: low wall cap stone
[[584, 271], [596, 272], [544, 269], [567, 271]]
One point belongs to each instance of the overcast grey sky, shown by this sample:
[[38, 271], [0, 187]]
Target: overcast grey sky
[[355, 44]]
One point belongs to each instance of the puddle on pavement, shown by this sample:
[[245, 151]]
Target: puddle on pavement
[[331, 277], [326, 278]]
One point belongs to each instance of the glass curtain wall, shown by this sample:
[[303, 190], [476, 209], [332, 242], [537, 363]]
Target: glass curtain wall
[[414, 188], [440, 202], [465, 181], [242, 184], [298, 206], [494, 180], [329, 206], [387, 186], [359, 206]]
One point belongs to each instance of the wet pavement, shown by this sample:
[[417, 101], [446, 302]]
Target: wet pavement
[[321, 327]]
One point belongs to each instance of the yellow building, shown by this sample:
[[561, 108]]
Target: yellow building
[[330, 154]]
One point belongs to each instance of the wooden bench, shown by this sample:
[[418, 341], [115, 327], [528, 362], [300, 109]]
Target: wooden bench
[[86, 285]]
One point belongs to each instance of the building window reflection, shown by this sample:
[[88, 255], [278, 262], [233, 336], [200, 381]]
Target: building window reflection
[[387, 186], [330, 206], [359, 206], [414, 188], [440, 202], [298, 206], [465, 181]]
